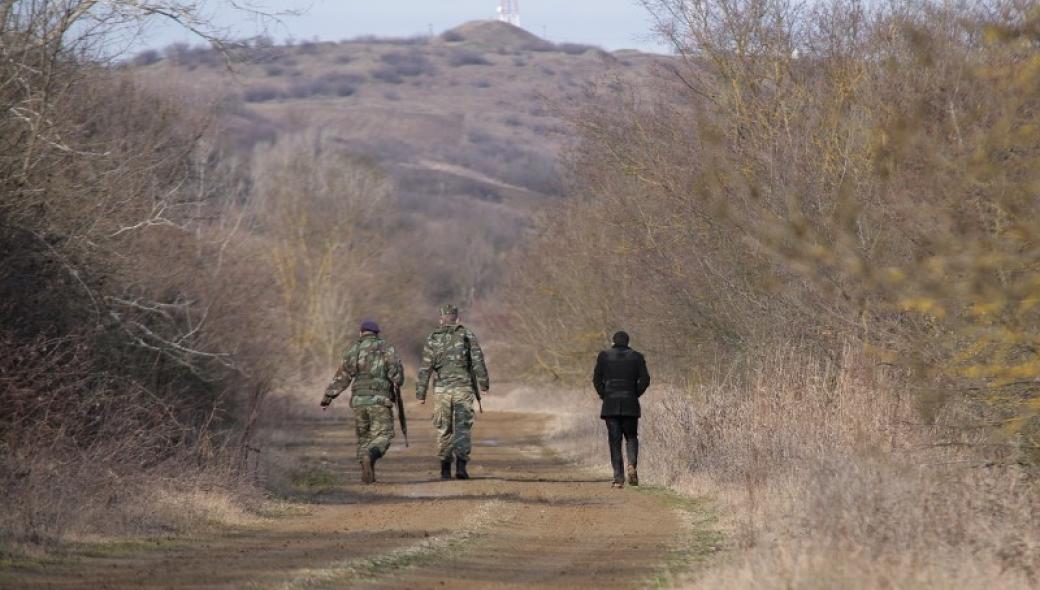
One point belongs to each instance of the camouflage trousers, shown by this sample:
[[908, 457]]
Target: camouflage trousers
[[453, 419], [375, 428]]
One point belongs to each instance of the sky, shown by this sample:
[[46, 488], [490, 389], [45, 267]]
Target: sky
[[611, 24]]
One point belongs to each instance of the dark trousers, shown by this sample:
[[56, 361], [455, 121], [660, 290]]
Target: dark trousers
[[627, 427]]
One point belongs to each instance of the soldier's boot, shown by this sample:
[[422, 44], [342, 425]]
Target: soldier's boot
[[373, 456], [368, 475], [446, 469], [460, 470], [633, 477]]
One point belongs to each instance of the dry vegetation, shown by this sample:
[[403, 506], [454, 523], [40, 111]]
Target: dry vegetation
[[466, 126], [826, 478], [136, 334], [156, 283], [179, 239], [820, 224]]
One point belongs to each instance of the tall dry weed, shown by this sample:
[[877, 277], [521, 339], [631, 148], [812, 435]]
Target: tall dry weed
[[825, 476]]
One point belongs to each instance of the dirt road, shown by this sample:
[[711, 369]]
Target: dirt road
[[527, 519]]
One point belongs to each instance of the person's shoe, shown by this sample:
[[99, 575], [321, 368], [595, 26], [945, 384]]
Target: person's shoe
[[617, 485], [373, 456], [445, 469], [367, 474], [633, 477], [460, 470]]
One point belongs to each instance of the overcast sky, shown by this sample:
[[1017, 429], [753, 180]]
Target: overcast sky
[[611, 24]]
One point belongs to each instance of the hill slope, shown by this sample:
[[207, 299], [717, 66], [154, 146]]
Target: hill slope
[[467, 123]]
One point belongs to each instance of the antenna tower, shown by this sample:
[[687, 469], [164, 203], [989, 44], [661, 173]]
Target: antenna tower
[[509, 12]]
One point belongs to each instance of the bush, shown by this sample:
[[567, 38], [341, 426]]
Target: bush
[[182, 54], [308, 48], [387, 74], [262, 94], [452, 36], [465, 57], [327, 85], [146, 58], [407, 64], [540, 45], [574, 48]]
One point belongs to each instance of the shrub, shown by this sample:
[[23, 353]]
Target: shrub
[[452, 36], [574, 48], [146, 58], [326, 85], [407, 64], [387, 74], [466, 57], [261, 94], [540, 45], [308, 48]]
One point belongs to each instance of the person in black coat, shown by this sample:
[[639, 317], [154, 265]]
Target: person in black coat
[[620, 379]]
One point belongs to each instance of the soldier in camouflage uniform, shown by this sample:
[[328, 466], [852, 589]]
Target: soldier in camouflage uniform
[[374, 368], [453, 357]]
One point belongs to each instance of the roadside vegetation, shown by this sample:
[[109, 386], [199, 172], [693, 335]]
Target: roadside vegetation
[[136, 332], [157, 283], [820, 224]]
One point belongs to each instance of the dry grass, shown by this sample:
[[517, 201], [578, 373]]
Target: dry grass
[[825, 478], [51, 504]]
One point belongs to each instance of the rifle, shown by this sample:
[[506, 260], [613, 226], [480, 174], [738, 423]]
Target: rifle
[[472, 377], [395, 394]]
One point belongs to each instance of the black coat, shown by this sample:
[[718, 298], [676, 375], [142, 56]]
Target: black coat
[[620, 379]]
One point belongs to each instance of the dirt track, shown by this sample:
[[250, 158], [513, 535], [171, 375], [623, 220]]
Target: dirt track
[[527, 519]]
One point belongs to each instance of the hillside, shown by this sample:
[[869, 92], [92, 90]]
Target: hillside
[[468, 124]]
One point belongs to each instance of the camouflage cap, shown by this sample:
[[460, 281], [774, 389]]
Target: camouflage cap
[[449, 310]]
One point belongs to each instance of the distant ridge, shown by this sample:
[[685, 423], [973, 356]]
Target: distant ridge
[[495, 35]]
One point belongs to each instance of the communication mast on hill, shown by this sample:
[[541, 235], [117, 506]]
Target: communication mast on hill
[[509, 12]]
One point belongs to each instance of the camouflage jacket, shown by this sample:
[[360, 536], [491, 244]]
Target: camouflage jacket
[[372, 365], [450, 353]]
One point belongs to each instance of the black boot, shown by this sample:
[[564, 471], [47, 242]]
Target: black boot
[[460, 470], [374, 455], [446, 469]]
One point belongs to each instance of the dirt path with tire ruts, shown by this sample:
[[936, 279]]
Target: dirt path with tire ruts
[[526, 519]]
